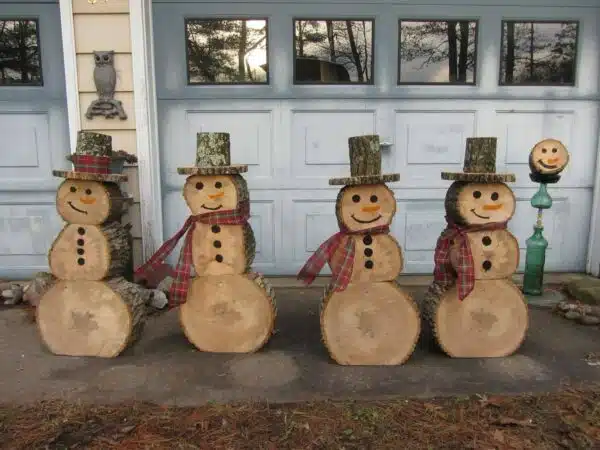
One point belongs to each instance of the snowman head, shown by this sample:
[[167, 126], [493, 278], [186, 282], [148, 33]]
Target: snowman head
[[479, 203], [85, 202], [548, 157], [365, 206], [209, 193]]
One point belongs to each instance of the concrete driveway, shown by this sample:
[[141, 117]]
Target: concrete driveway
[[164, 368]]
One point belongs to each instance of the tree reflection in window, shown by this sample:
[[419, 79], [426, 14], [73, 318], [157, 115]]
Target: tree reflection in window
[[333, 51], [538, 53], [437, 52], [19, 52], [227, 51]]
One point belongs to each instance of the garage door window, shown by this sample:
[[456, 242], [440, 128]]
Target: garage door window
[[538, 53], [332, 51], [437, 52], [20, 62], [227, 51]]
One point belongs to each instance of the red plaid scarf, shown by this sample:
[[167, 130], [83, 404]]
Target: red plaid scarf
[[444, 274], [179, 288], [338, 251]]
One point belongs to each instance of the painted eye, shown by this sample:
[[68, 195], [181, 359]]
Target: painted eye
[[218, 185], [373, 199], [199, 185], [88, 191], [544, 150], [495, 196], [73, 189], [476, 194], [554, 150], [356, 198], [97, 59]]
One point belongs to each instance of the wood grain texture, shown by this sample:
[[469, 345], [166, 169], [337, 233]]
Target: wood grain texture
[[355, 209], [107, 200], [470, 203], [90, 252], [370, 324], [365, 155], [367, 179], [229, 313], [91, 318], [490, 322]]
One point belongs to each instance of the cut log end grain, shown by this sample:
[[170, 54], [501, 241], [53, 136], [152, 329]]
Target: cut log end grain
[[370, 324], [471, 203], [229, 313], [89, 252], [490, 322], [380, 260], [90, 202], [91, 318]]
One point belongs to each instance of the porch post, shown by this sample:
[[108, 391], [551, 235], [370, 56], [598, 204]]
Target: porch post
[[142, 49]]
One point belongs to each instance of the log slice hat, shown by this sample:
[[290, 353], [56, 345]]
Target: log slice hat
[[213, 156]]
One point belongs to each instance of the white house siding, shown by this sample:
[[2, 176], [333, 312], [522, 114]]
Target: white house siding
[[33, 141], [295, 137]]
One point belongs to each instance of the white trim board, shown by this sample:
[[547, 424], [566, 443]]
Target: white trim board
[[70, 63], [142, 53]]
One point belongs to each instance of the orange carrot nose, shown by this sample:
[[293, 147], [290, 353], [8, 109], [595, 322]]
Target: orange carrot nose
[[87, 200], [492, 207], [552, 160], [371, 209], [213, 196]]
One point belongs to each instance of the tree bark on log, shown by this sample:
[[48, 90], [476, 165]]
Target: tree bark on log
[[89, 252], [370, 324], [229, 313], [491, 321], [92, 318], [365, 156], [480, 155]]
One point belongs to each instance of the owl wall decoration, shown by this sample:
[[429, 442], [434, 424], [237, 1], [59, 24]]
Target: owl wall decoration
[[105, 79]]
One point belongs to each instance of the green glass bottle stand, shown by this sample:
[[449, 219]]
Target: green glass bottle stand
[[535, 256]]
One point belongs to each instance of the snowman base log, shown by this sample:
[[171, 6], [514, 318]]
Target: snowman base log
[[90, 252], [229, 313], [92, 318], [370, 324], [490, 322]]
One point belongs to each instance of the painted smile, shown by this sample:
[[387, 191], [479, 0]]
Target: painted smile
[[367, 221], [212, 209], [481, 217], [76, 209], [546, 166]]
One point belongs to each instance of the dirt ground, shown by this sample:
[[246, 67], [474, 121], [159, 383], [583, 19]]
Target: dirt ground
[[569, 419]]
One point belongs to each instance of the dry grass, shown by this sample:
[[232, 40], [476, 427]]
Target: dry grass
[[569, 419]]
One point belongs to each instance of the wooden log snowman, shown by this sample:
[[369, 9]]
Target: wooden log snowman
[[474, 308], [91, 309], [366, 318], [224, 308]]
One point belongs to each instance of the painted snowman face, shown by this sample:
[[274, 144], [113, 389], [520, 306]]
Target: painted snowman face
[[366, 206], [548, 157], [481, 203], [82, 201], [209, 193]]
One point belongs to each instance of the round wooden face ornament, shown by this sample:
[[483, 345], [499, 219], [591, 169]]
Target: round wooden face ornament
[[209, 193], [84, 202], [480, 203], [548, 157], [365, 206]]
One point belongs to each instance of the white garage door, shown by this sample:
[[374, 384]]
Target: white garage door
[[33, 133], [291, 81]]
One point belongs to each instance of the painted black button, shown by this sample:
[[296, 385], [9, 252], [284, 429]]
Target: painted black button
[[368, 240], [80, 251], [79, 241], [368, 252], [369, 264], [486, 240], [217, 244], [81, 230], [81, 261], [216, 228], [219, 258], [487, 265]]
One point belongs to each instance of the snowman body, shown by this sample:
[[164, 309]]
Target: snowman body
[[91, 309], [373, 321], [227, 308], [491, 321]]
